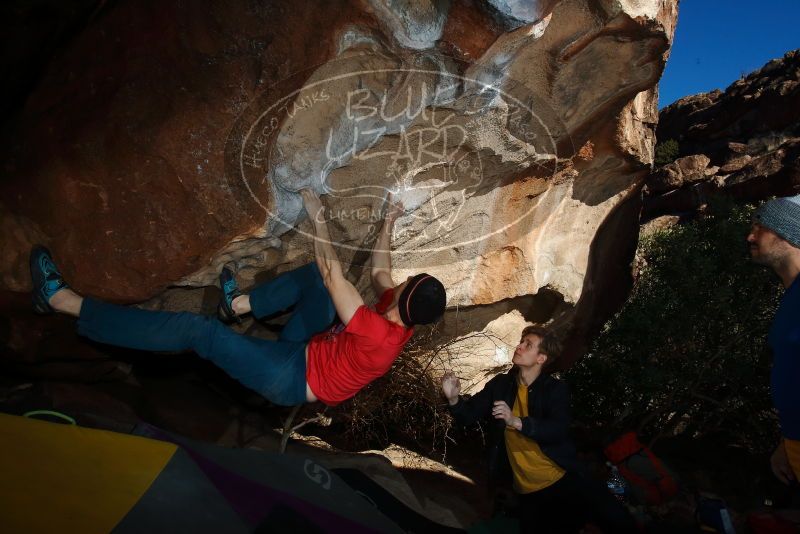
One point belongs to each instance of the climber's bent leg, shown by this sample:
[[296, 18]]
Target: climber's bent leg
[[302, 288]]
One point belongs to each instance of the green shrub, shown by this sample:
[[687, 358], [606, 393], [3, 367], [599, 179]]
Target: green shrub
[[687, 354], [666, 152]]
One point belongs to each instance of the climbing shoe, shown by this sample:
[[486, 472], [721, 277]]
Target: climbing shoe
[[46, 278], [230, 290]]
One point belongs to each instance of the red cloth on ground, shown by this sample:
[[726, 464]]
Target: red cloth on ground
[[344, 359]]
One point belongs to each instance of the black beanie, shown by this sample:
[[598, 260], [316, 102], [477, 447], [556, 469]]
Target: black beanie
[[422, 301]]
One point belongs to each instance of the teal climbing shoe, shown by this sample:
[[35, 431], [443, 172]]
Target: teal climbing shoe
[[46, 279]]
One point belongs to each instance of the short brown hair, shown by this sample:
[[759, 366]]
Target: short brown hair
[[549, 343]]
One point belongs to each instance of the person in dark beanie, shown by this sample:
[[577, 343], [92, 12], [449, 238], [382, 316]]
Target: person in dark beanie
[[774, 241], [529, 443], [421, 300], [311, 360]]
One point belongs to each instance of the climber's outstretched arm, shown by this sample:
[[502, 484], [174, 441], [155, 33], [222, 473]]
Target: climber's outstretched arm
[[344, 295], [381, 272]]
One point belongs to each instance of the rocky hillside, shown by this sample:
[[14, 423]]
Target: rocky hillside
[[744, 142]]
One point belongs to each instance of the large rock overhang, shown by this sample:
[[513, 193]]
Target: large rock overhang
[[165, 141]]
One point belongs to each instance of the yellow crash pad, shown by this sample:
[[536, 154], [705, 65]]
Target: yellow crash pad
[[65, 478]]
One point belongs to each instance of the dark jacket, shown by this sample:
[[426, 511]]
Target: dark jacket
[[547, 423]]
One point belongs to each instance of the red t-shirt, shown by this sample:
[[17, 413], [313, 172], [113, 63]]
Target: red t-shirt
[[344, 359]]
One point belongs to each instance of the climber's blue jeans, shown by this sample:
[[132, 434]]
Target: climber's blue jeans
[[275, 369]]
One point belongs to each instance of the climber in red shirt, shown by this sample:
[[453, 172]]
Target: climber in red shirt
[[344, 358], [310, 360]]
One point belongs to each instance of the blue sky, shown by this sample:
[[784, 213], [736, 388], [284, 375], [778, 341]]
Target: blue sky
[[716, 41]]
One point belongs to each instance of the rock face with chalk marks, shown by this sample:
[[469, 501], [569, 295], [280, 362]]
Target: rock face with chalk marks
[[163, 141]]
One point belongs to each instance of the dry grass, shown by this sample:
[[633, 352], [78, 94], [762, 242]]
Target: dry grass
[[406, 406]]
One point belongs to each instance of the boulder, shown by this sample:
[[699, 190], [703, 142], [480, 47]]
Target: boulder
[[673, 175], [165, 140], [734, 164], [693, 167], [665, 178], [747, 179]]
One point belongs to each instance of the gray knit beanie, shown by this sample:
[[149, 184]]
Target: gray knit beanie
[[782, 216]]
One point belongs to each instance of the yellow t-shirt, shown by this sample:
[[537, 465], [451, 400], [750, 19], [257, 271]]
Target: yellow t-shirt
[[793, 453], [533, 470]]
